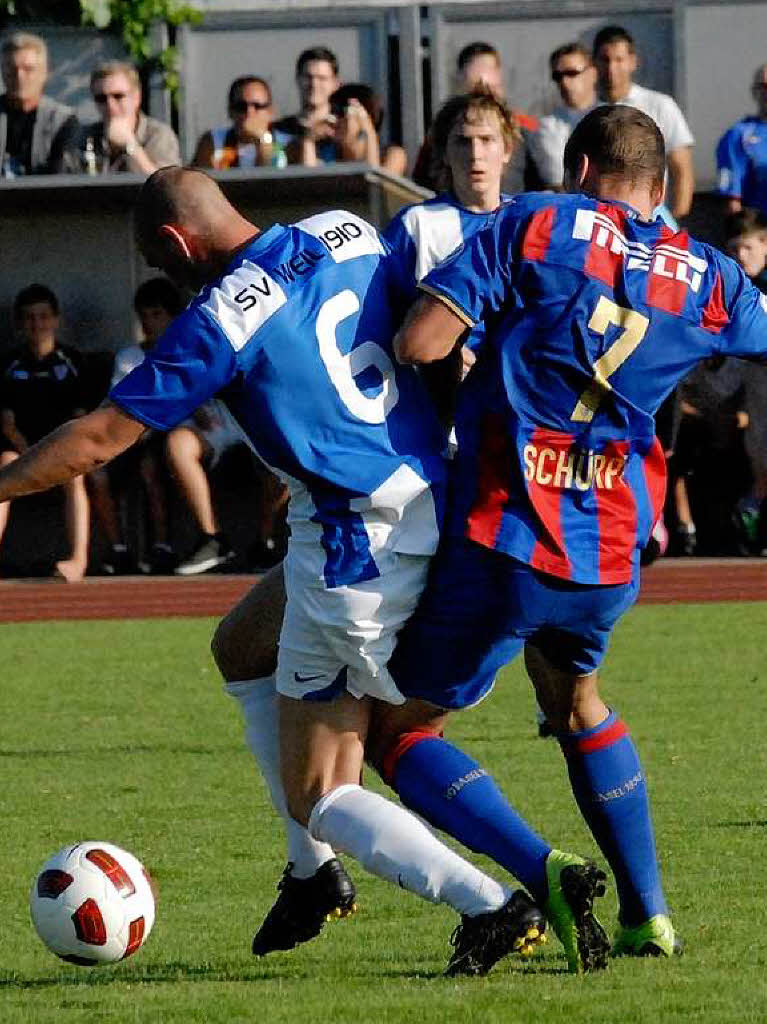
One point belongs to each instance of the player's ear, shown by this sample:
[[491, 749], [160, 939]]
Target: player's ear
[[658, 194], [178, 240]]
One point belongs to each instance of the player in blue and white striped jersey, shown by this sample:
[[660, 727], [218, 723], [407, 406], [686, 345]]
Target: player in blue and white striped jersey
[[295, 325]]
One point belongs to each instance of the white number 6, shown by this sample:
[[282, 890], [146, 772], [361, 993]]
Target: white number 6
[[342, 369]]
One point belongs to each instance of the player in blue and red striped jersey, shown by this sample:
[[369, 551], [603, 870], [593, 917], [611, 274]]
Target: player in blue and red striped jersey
[[593, 313]]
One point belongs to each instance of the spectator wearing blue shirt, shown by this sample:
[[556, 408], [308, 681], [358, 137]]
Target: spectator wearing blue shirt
[[741, 155]]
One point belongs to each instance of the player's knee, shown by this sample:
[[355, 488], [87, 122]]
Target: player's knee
[[224, 650]]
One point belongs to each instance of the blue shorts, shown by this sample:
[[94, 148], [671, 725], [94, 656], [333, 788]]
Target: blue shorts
[[479, 609]]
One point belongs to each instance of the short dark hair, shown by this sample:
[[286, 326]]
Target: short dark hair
[[566, 50], [33, 294], [619, 140], [472, 50], [364, 94], [461, 108], [158, 291], [241, 82], [746, 221], [316, 53], [612, 34]]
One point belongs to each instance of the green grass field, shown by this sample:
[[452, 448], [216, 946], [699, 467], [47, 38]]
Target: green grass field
[[120, 731]]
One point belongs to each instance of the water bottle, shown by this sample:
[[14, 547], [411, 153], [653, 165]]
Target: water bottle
[[89, 157], [279, 156]]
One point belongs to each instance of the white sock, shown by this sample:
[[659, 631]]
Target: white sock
[[392, 843], [258, 700]]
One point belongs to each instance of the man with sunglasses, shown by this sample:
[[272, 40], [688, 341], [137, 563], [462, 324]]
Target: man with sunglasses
[[124, 139], [575, 76], [250, 140]]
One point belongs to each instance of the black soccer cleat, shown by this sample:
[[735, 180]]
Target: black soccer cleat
[[303, 906], [481, 941]]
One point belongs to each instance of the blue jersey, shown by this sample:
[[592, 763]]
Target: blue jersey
[[427, 233], [297, 335], [592, 317], [741, 160]]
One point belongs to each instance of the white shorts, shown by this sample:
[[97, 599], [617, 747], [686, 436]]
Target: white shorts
[[341, 639]]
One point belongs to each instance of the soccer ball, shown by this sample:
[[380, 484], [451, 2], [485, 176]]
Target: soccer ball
[[92, 903]]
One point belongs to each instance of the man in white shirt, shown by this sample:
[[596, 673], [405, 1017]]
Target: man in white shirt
[[616, 61], [575, 76]]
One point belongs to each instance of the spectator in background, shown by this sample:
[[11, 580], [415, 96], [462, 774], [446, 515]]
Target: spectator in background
[[616, 61], [356, 115], [746, 241], [41, 387], [156, 302], [741, 155], [574, 74], [479, 66], [34, 129], [250, 140], [125, 139], [317, 80]]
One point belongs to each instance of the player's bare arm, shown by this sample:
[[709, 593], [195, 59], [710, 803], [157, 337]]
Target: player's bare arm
[[431, 331], [76, 447]]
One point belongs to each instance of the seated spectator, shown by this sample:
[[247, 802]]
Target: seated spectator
[[125, 139], [41, 387], [709, 468], [249, 141], [34, 129], [741, 155], [616, 61], [746, 242], [356, 115], [156, 302], [573, 73], [317, 80], [479, 65]]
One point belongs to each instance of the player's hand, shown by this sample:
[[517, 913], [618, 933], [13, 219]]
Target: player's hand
[[468, 359]]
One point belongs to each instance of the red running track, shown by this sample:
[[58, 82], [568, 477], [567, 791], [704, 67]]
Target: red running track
[[669, 581]]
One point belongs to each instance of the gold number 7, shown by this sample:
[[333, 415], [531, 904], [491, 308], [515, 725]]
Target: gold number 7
[[634, 327]]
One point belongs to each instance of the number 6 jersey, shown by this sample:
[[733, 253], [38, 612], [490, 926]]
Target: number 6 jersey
[[297, 335], [592, 316]]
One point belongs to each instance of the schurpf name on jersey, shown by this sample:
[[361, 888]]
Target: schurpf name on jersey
[[572, 470], [244, 301]]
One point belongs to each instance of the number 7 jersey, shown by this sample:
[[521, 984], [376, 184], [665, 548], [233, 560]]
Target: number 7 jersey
[[592, 316], [297, 337]]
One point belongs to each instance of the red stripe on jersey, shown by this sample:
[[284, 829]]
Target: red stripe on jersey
[[545, 493], [605, 254], [493, 468], [616, 516], [654, 468], [538, 234], [715, 316], [664, 290], [588, 744]]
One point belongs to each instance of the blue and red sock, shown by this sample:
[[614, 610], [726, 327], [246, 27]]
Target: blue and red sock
[[454, 793], [609, 787]]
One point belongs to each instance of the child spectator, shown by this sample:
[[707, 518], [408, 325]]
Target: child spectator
[[746, 242], [156, 303], [41, 387]]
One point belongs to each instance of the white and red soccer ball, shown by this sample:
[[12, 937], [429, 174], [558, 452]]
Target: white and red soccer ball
[[92, 903]]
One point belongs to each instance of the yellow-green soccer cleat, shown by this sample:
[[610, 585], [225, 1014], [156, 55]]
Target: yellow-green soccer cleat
[[654, 937], [573, 885]]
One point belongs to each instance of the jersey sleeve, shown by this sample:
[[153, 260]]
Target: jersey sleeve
[[475, 280], [188, 365], [730, 165], [402, 258], [744, 333]]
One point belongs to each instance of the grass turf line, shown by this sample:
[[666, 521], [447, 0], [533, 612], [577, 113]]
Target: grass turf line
[[120, 731]]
